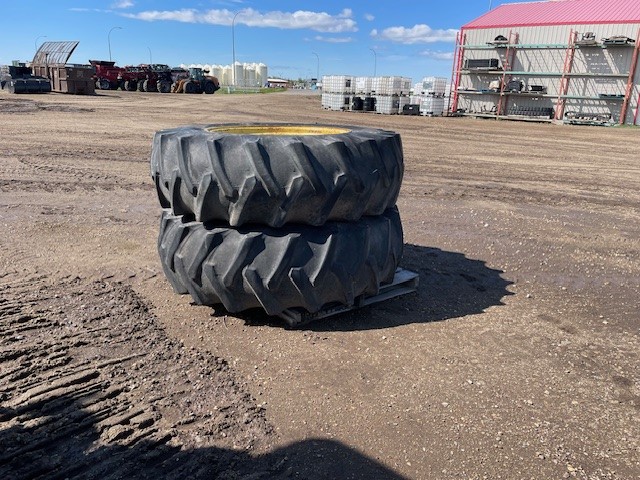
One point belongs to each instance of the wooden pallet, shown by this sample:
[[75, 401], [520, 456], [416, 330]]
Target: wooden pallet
[[404, 281]]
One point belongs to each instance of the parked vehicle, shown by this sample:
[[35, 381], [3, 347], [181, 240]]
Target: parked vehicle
[[144, 77], [152, 78], [196, 82], [107, 76], [20, 79]]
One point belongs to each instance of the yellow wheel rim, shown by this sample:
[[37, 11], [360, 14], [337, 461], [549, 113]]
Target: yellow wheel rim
[[279, 130]]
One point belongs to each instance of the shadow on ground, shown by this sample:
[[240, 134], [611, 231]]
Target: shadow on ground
[[60, 439], [451, 286]]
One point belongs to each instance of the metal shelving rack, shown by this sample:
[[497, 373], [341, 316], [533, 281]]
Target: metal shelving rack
[[511, 46], [509, 58], [566, 71], [458, 55], [629, 88]]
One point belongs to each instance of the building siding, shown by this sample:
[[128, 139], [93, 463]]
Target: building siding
[[584, 12], [604, 61]]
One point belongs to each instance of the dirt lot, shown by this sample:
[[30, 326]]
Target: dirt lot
[[517, 358]]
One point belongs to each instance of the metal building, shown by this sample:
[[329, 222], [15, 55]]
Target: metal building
[[572, 61]]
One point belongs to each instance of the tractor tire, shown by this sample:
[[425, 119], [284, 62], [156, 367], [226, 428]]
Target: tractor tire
[[298, 266], [190, 87], [104, 84], [150, 86], [209, 88], [130, 85], [164, 86], [275, 174], [140, 86]]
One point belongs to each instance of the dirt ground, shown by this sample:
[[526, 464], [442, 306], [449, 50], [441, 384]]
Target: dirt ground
[[518, 357]]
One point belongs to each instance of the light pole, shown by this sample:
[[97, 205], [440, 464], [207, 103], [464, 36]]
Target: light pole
[[318, 68], [375, 61], [233, 49], [38, 38], [150, 58], [109, 39]]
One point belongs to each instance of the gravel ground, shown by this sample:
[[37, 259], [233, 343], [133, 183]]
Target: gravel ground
[[517, 358]]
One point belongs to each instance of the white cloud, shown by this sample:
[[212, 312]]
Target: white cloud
[[416, 34], [369, 17], [437, 55], [98, 10], [300, 19], [184, 15], [122, 4], [320, 38]]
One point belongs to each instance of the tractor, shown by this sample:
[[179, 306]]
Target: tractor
[[197, 82], [153, 78]]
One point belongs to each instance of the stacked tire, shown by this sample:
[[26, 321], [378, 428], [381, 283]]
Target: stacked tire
[[278, 216]]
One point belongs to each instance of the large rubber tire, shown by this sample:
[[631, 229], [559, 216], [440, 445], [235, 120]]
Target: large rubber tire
[[164, 86], [297, 266], [277, 173], [130, 85], [150, 86], [140, 86], [105, 84], [190, 87], [209, 88]]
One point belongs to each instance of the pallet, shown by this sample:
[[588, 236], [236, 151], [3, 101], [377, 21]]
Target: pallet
[[404, 281]]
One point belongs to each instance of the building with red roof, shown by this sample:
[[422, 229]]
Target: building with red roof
[[572, 61]]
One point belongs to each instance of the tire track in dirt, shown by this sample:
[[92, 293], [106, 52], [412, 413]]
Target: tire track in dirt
[[536, 193], [89, 383], [27, 175], [34, 185]]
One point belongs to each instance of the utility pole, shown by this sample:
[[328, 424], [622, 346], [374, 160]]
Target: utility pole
[[109, 39], [375, 61], [233, 49], [318, 67]]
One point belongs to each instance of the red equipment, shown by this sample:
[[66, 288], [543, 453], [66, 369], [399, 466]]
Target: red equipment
[[145, 78]]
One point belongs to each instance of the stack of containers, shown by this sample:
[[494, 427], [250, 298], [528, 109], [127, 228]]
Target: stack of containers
[[447, 97], [432, 106], [391, 93], [434, 86], [390, 85], [387, 104], [363, 85], [430, 95], [337, 92], [362, 100], [402, 101]]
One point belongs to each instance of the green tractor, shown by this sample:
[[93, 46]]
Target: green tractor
[[197, 82]]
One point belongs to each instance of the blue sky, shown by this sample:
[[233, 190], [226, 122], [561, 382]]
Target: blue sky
[[345, 37]]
